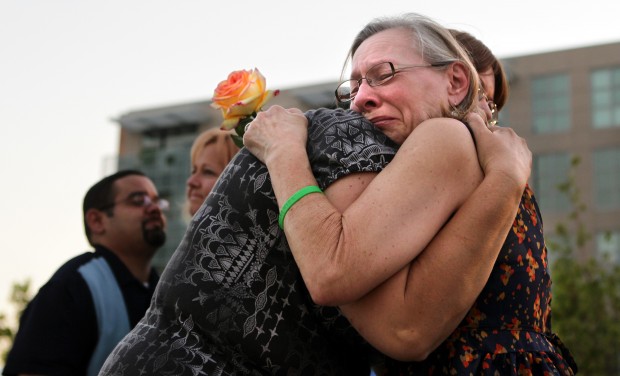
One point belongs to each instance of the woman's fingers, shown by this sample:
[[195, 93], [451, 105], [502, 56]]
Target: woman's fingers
[[501, 149], [275, 129]]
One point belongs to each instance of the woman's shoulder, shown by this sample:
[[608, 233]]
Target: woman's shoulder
[[440, 124], [340, 122], [441, 144], [443, 132], [334, 115], [341, 142]]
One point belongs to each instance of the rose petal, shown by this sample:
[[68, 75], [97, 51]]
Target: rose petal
[[230, 124]]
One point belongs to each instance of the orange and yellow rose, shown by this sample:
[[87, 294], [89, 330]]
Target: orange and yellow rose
[[241, 96]]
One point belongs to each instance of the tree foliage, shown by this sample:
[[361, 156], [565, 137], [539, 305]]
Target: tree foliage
[[586, 292]]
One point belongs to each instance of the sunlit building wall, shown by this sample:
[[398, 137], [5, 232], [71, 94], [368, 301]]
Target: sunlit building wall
[[566, 104]]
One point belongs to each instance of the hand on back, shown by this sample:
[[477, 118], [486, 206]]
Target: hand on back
[[501, 150]]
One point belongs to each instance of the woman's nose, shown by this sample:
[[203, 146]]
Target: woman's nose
[[192, 181], [366, 98]]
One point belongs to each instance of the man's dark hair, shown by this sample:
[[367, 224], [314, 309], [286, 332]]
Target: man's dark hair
[[102, 194]]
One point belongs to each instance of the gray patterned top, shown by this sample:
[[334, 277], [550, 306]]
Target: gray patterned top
[[231, 301]]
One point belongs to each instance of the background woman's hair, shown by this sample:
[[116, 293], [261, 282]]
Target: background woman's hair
[[483, 59], [220, 139]]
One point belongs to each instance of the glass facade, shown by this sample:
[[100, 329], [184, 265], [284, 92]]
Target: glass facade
[[605, 98], [551, 170], [607, 178], [608, 245], [551, 103]]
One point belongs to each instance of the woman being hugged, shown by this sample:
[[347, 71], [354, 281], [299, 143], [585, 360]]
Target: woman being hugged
[[409, 77]]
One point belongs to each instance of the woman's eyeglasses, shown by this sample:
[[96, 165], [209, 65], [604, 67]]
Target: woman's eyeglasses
[[377, 75]]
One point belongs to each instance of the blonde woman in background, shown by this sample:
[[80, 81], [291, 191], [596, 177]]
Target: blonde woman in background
[[210, 154]]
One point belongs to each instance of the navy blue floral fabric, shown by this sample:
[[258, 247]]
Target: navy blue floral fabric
[[508, 330]]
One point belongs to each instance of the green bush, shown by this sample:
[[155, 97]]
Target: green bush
[[20, 296], [586, 292]]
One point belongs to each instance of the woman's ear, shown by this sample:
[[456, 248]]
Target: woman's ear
[[94, 221], [458, 76]]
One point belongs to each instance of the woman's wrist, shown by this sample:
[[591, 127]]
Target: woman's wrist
[[285, 150], [506, 182], [289, 169]]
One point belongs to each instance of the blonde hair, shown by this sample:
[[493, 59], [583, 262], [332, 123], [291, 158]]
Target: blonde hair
[[225, 150], [221, 140]]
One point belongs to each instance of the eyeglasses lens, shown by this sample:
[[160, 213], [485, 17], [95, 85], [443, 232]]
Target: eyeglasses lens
[[144, 200], [376, 75]]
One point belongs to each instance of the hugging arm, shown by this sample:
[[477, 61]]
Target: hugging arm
[[396, 216], [413, 311], [444, 280], [394, 219]]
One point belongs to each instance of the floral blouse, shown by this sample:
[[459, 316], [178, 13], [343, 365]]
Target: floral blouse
[[508, 329]]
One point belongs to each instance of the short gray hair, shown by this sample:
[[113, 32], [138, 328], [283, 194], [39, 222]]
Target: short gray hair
[[435, 44]]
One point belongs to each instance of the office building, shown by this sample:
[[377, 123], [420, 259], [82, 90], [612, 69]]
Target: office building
[[565, 103]]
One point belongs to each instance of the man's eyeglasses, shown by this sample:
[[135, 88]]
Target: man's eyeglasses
[[140, 200], [492, 107], [377, 75]]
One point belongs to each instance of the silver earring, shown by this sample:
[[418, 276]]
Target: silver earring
[[455, 113]]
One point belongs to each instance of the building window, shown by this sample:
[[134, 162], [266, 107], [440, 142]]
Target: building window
[[551, 103], [608, 245], [607, 178], [551, 170], [606, 98]]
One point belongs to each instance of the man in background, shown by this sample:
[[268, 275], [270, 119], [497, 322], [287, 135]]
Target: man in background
[[94, 299]]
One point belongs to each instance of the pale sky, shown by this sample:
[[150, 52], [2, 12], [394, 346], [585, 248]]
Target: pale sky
[[68, 67]]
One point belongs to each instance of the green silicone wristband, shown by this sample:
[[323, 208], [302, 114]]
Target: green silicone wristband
[[293, 200]]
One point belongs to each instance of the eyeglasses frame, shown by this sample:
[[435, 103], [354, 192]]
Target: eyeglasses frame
[[393, 69], [161, 203]]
